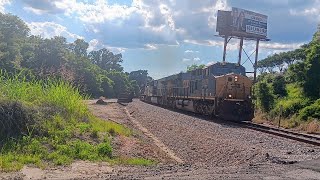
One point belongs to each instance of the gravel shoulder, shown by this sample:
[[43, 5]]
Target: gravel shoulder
[[208, 150]]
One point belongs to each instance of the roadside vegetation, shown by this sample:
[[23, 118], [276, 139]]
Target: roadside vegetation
[[46, 122], [43, 82], [291, 93]]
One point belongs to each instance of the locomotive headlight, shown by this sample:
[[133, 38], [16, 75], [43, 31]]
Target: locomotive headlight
[[236, 78], [230, 96]]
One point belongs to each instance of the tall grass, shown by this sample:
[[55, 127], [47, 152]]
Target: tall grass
[[62, 127], [43, 92]]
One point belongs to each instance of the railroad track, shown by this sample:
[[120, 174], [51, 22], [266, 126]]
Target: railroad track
[[301, 137], [306, 138]]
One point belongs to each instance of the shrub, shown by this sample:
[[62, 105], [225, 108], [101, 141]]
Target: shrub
[[312, 111], [104, 149], [290, 106], [15, 119], [279, 86], [264, 96]]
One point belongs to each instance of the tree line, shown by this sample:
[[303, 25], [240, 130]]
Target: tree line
[[280, 61], [96, 73]]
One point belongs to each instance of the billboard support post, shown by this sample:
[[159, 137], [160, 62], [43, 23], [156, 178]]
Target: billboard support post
[[244, 25], [240, 50], [256, 62], [225, 49]]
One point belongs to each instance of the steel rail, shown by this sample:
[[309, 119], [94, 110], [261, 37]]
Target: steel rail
[[301, 137], [306, 138]]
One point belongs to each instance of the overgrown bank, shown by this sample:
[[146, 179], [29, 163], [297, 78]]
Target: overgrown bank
[[293, 93], [45, 122]]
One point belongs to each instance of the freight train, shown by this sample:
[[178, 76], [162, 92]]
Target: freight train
[[221, 89]]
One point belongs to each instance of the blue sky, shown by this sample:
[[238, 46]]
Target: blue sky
[[165, 36]]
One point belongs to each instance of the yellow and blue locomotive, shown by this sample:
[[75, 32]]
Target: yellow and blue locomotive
[[221, 90]]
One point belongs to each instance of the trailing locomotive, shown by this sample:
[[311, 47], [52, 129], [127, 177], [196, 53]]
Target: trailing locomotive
[[221, 90]]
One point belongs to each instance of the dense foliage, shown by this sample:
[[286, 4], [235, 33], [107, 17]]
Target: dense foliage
[[294, 90], [96, 73], [195, 66]]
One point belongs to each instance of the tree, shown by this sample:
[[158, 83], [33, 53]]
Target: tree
[[311, 86], [141, 76], [50, 55], [195, 66], [79, 47], [279, 86], [13, 32], [106, 60], [264, 96], [121, 81]]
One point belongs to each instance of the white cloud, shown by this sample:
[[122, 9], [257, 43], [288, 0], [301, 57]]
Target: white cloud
[[204, 42], [189, 60], [190, 51], [141, 24], [312, 12], [280, 46], [34, 10], [3, 3], [186, 60], [150, 46], [196, 59], [51, 29], [94, 45]]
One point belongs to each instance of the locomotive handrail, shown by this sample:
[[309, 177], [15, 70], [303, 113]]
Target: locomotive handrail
[[222, 90]]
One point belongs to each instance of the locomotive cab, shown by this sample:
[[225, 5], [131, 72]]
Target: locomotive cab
[[234, 97]]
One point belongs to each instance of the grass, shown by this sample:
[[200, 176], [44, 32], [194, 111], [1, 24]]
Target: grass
[[61, 128], [109, 126]]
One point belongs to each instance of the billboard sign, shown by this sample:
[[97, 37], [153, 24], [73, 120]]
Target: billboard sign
[[248, 23], [224, 21]]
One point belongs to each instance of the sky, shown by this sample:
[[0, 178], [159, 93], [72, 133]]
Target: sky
[[166, 36]]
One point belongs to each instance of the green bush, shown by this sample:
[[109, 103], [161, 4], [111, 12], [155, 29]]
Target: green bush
[[104, 149], [279, 86], [312, 111], [290, 106], [16, 119], [264, 96]]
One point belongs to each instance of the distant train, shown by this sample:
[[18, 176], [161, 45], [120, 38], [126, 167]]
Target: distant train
[[221, 90]]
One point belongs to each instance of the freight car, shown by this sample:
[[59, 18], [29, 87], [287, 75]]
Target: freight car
[[221, 90]]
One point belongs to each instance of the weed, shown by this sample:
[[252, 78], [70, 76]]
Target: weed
[[313, 127], [106, 126], [84, 127]]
